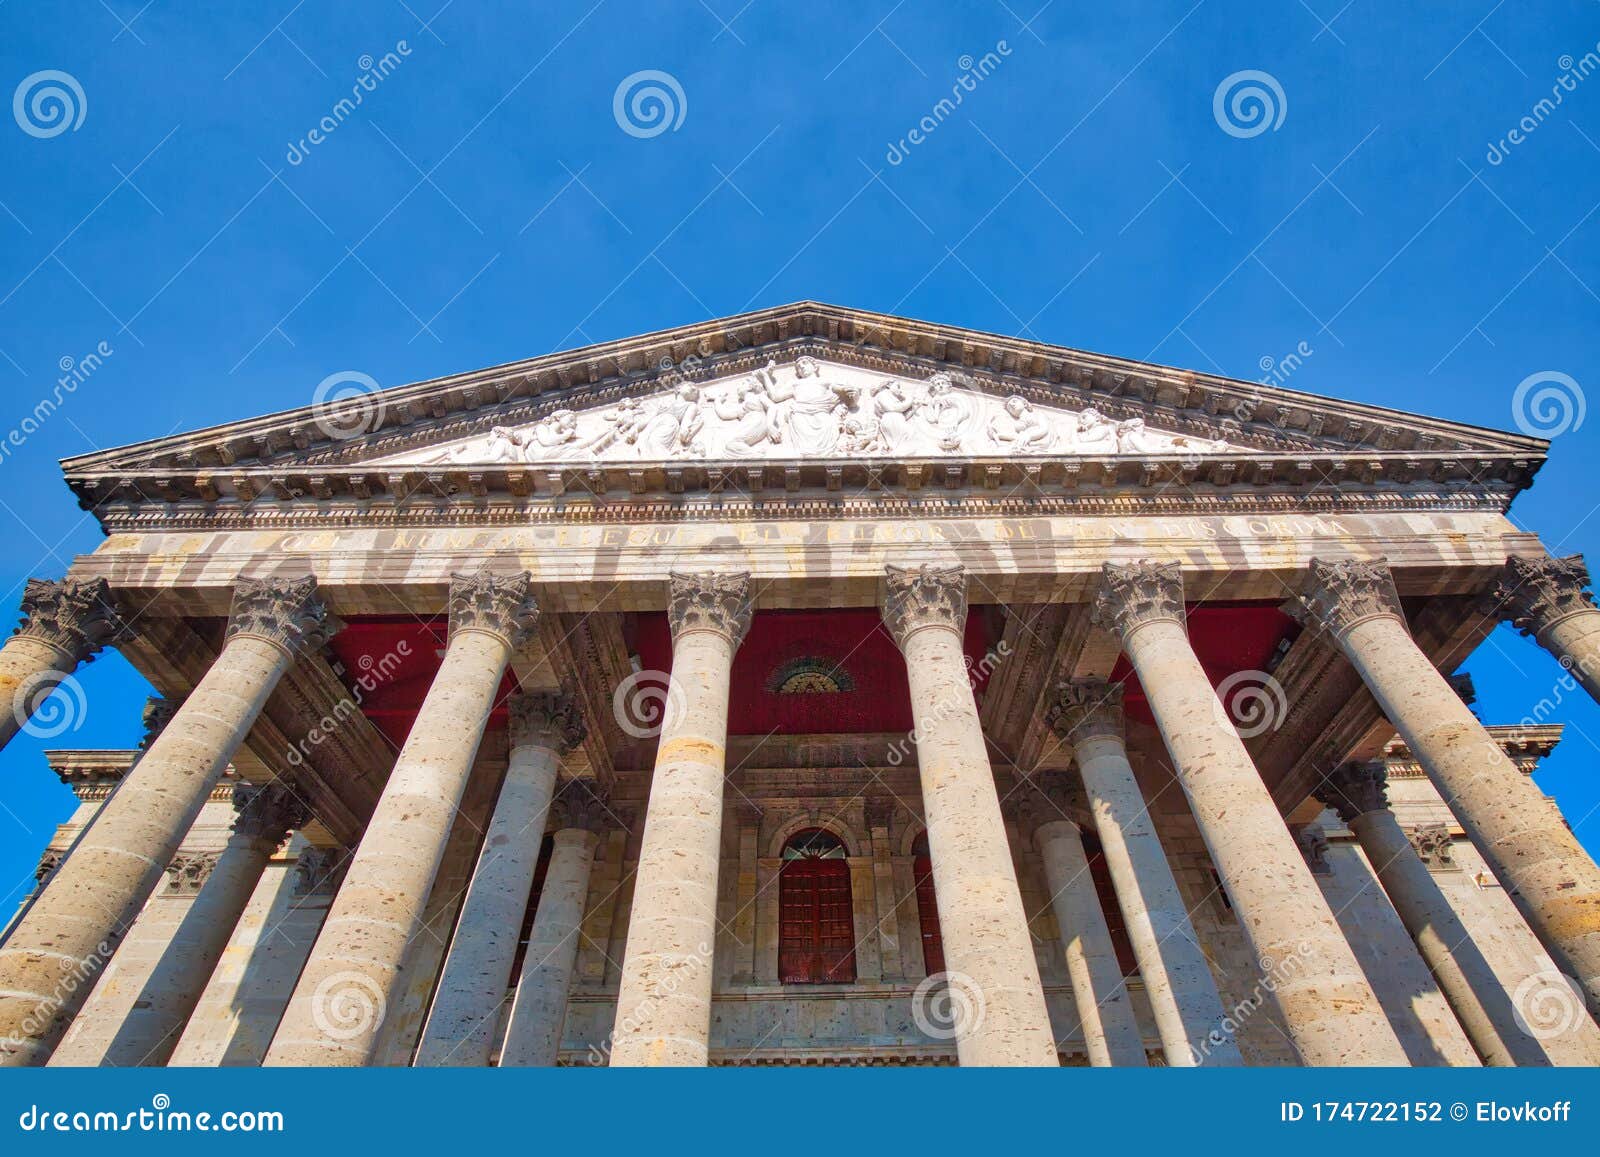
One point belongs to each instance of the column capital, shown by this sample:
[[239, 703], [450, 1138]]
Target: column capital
[[1313, 844], [709, 601], [1339, 595], [546, 719], [75, 616], [1534, 594], [1137, 593], [499, 604], [924, 596], [1355, 789], [268, 812], [1087, 709], [189, 871], [582, 805], [158, 712], [286, 612], [1434, 845]]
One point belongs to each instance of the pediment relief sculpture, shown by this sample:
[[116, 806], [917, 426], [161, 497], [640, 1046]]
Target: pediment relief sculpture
[[812, 409]]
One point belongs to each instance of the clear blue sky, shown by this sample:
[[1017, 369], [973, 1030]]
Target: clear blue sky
[[483, 204]]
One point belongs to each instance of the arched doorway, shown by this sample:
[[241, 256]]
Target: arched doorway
[[816, 918]]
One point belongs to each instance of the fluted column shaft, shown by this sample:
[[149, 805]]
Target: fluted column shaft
[[63, 624], [353, 974], [1333, 1016], [539, 1013], [52, 956], [1547, 872], [1177, 977], [1549, 599], [462, 1022], [149, 1032], [988, 949], [664, 1002], [1110, 1032]]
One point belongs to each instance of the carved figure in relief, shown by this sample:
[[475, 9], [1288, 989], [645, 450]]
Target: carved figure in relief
[[945, 413], [559, 429], [750, 410], [1096, 434], [673, 429], [1018, 426], [893, 404], [811, 407]]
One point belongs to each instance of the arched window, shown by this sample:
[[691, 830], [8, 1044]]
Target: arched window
[[816, 919], [927, 906]]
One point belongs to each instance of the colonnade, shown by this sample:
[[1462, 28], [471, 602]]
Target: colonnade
[[353, 975]]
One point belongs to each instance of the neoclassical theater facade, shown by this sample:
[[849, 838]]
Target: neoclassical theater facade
[[808, 687]]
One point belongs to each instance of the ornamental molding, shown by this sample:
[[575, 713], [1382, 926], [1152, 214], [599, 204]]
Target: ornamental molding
[[188, 871], [1534, 594], [500, 604], [1087, 709], [1340, 595], [286, 612], [546, 719], [1138, 593], [317, 871], [1434, 844], [1355, 789], [158, 712], [710, 601], [75, 616], [308, 456], [1313, 842], [924, 596]]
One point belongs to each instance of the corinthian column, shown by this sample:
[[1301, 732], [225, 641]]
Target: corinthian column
[[664, 1003], [539, 1012], [1358, 792], [1177, 977], [461, 1025], [988, 950], [1549, 599], [63, 624], [54, 953], [1523, 838], [353, 973], [1332, 1014], [149, 1031]]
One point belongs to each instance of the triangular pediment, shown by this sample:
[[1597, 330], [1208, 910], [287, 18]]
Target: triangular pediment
[[819, 393], [808, 407]]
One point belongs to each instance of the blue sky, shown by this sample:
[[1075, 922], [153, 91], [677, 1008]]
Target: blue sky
[[484, 203]]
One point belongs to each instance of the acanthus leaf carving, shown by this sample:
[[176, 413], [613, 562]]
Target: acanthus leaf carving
[[710, 601], [546, 719], [924, 596], [1340, 595], [1137, 593], [285, 611], [1087, 709], [501, 604], [1355, 789], [1536, 593], [76, 616]]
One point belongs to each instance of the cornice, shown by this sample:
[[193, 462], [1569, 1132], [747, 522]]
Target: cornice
[[288, 452]]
